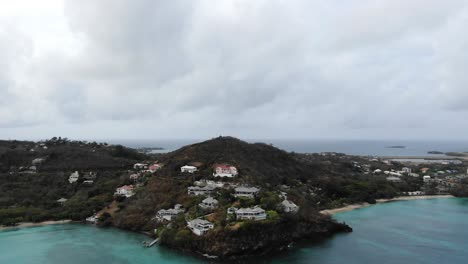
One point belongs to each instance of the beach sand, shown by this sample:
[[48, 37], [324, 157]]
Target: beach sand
[[28, 224], [400, 198]]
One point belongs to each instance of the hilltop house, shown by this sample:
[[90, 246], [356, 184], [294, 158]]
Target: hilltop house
[[256, 213], [289, 207], [223, 170], [427, 178], [140, 166], [134, 176], [199, 226], [126, 190], [169, 214], [188, 169], [74, 177], [196, 190], [209, 203], [248, 192], [154, 167]]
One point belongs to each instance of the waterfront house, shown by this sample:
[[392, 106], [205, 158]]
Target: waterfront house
[[197, 190], [74, 177], [126, 190], [169, 214], [209, 203], [224, 170], [249, 192], [256, 213], [199, 226], [289, 207], [188, 169]]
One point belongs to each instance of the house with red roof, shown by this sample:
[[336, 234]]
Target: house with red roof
[[224, 170]]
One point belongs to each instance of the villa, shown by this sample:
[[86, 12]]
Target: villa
[[248, 192], [62, 201], [169, 214], [256, 213], [223, 170], [154, 167], [126, 190], [209, 203], [196, 190], [140, 166], [188, 169], [289, 207], [74, 177], [199, 226]]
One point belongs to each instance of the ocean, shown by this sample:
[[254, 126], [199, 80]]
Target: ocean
[[350, 147], [420, 231]]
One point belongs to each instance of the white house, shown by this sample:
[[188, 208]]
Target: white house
[[248, 192], [289, 207], [140, 166], [169, 214], [256, 213], [126, 190], [62, 201], [209, 203], [406, 170], [197, 190], [393, 179], [74, 177], [188, 169], [223, 170], [377, 171], [199, 226], [427, 178]]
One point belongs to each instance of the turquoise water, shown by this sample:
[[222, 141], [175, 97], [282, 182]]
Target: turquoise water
[[421, 231], [75, 243]]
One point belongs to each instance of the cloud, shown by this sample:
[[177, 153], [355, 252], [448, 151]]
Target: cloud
[[247, 68]]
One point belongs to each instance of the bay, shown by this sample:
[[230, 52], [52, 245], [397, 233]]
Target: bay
[[419, 231]]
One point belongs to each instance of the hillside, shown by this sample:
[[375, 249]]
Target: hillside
[[261, 165]]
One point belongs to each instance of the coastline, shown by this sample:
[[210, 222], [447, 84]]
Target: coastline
[[351, 207], [30, 224]]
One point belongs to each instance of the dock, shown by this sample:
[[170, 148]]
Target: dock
[[151, 243]]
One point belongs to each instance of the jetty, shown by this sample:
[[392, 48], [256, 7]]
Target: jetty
[[146, 244]]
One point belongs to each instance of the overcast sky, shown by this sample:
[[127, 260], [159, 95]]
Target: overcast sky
[[147, 69]]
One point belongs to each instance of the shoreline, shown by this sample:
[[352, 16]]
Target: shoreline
[[31, 224], [351, 207]]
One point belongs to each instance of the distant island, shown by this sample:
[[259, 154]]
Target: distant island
[[436, 152], [396, 147], [223, 197]]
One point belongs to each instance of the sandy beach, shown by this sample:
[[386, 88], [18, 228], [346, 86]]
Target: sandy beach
[[29, 224], [400, 198]]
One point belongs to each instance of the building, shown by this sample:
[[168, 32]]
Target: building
[[126, 190], [248, 192], [223, 170], [406, 170], [426, 178], [289, 207], [89, 182], [393, 179], [197, 190], [140, 166], [377, 171], [209, 203], [188, 169], [256, 213], [169, 214], [199, 226], [134, 177], [154, 167], [90, 175], [37, 161], [62, 201], [74, 177]]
